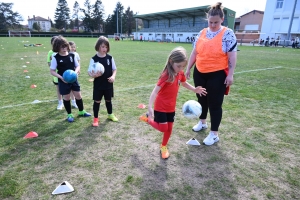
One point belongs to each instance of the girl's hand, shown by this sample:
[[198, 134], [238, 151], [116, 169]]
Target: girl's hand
[[111, 79], [201, 91], [150, 112], [63, 80], [94, 75]]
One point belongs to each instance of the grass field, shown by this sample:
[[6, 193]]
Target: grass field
[[257, 157]]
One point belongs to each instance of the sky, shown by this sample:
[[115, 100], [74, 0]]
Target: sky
[[46, 8]]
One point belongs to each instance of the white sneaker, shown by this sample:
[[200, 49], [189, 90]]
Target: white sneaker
[[74, 104], [211, 139], [199, 126], [60, 106]]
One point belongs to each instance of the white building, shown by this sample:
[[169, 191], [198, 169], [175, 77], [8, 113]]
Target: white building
[[45, 24], [277, 19]]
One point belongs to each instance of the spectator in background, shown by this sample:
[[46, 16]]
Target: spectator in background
[[277, 41]]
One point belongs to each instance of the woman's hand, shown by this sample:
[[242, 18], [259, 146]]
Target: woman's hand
[[188, 73], [229, 80]]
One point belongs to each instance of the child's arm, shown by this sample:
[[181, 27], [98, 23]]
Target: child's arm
[[53, 70], [151, 100], [113, 77], [114, 69], [77, 67], [200, 90]]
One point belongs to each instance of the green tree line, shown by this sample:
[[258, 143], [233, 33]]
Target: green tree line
[[90, 16]]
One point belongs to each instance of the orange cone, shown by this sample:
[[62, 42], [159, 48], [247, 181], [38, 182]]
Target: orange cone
[[33, 86], [25, 71], [31, 134]]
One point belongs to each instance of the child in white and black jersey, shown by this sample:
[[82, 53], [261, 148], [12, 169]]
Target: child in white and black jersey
[[103, 83], [61, 62]]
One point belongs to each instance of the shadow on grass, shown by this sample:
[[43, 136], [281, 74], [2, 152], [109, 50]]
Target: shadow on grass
[[154, 180], [207, 172]]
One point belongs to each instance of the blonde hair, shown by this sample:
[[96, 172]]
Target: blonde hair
[[177, 55], [216, 10]]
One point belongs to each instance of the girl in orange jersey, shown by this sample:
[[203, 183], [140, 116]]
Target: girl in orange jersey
[[164, 96], [215, 57]]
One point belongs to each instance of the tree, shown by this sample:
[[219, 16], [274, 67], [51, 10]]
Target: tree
[[62, 15], [97, 16], [8, 18], [129, 21], [87, 19], [111, 21], [36, 26], [75, 16]]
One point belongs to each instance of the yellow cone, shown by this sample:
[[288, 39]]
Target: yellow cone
[[37, 53]]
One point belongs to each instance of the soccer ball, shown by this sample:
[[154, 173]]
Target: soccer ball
[[96, 67], [70, 76], [191, 109]]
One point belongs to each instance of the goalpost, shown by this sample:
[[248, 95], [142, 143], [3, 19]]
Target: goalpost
[[19, 33]]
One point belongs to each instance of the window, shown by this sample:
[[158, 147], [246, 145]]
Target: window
[[279, 4]]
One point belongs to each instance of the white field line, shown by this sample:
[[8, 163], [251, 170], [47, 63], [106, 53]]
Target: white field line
[[146, 86], [256, 70]]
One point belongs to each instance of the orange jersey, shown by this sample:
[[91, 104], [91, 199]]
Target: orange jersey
[[166, 97], [210, 57]]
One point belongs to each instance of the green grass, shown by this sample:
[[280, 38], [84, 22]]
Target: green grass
[[257, 157]]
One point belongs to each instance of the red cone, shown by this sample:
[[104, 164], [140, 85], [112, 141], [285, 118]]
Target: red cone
[[142, 106], [31, 134]]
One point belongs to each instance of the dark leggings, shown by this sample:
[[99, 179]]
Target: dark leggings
[[215, 87]]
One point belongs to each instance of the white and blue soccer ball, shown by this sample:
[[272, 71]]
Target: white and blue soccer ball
[[96, 67], [192, 109]]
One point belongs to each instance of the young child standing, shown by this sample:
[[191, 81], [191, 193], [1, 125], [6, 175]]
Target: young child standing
[[55, 79], [103, 83], [77, 57], [164, 96], [61, 62]]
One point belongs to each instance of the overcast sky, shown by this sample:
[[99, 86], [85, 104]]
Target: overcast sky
[[46, 8]]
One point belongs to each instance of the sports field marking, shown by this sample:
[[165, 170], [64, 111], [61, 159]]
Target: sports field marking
[[256, 70], [152, 85]]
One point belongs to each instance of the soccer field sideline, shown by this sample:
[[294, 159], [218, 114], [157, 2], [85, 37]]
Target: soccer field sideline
[[146, 86]]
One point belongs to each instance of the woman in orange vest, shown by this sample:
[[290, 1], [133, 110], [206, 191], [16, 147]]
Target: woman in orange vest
[[215, 57]]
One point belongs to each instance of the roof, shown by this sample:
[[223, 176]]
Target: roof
[[260, 12], [187, 12], [38, 18]]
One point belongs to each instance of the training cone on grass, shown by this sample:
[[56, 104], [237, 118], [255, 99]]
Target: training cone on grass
[[193, 142], [33, 86], [25, 71], [31, 134], [64, 187], [142, 106]]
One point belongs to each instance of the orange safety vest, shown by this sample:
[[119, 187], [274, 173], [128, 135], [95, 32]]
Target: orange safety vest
[[210, 57]]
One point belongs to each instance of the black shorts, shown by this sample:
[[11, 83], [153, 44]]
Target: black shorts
[[162, 117], [98, 94], [66, 88]]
